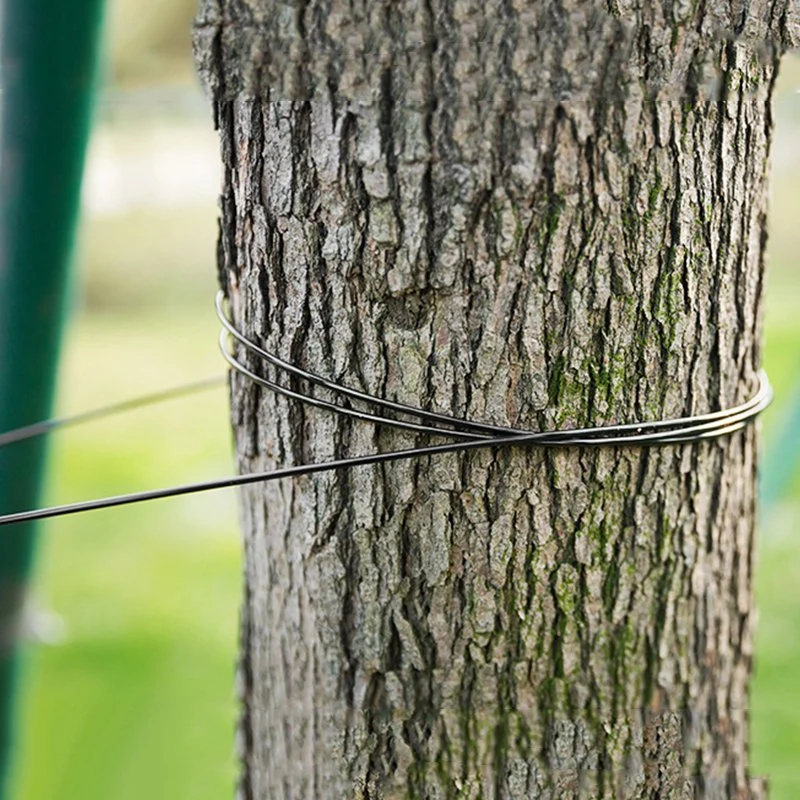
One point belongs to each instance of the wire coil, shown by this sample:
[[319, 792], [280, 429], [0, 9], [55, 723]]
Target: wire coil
[[463, 434], [662, 432]]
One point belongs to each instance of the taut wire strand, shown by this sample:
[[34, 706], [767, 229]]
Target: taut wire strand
[[48, 425]]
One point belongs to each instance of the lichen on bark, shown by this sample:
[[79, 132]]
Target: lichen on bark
[[535, 214]]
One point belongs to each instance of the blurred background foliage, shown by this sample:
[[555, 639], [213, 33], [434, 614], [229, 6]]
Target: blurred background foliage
[[149, 41], [129, 684]]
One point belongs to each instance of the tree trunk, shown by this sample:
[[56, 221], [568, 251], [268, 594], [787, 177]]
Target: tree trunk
[[534, 214]]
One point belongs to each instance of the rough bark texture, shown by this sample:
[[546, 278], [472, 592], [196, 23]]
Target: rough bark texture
[[533, 213]]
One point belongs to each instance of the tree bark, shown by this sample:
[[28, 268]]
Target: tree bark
[[534, 214]]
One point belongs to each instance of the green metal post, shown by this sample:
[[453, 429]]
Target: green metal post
[[49, 52]]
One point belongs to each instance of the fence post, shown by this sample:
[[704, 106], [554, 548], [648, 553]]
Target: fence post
[[49, 52]]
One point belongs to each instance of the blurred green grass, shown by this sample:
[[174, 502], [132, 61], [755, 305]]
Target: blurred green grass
[[775, 710], [137, 701]]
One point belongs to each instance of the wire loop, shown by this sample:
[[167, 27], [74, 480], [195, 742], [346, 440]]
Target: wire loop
[[672, 431], [463, 434]]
